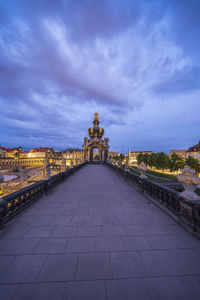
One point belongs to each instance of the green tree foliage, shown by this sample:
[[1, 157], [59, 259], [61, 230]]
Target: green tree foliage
[[158, 160], [16, 154], [194, 163], [140, 158], [121, 157], [176, 162]]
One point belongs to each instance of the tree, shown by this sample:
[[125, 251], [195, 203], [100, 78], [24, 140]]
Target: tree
[[162, 161], [152, 159], [121, 157], [17, 154], [140, 158], [194, 163], [176, 162]]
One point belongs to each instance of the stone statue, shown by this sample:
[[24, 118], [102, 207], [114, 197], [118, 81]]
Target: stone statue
[[46, 170], [142, 168], [190, 181]]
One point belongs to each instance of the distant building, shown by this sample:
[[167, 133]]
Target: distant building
[[132, 156], [39, 152], [2, 153], [12, 152], [194, 151], [113, 153], [181, 153]]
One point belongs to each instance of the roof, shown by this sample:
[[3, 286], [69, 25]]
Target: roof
[[194, 148]]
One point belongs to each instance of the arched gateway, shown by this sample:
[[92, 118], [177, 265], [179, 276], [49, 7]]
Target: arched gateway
[[95, 141]]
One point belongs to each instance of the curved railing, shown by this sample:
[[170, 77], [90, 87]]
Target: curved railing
[[14, 203], [186, 212]]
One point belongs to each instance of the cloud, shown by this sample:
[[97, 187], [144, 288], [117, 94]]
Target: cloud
[[64, 61]]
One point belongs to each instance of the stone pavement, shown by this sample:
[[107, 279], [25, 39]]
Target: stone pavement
[[95, 238]]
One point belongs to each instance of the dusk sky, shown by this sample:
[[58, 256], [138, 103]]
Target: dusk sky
[[136, 63]]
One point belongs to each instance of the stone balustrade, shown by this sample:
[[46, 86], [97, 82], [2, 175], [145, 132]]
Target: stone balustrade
[[183, 210], [14, 203]]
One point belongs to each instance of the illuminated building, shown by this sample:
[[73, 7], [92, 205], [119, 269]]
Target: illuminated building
[[194, 151], [132, 156], [39, 152], [181, 153], [12, 152]]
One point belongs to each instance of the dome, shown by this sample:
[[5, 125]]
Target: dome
[[96, 130]]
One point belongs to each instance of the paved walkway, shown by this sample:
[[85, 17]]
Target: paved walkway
[[95, 238]]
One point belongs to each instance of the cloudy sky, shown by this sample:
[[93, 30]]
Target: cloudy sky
[[136, 63]]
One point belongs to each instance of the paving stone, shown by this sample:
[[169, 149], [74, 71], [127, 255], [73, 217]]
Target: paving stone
[[139, 219], [109, 244], [4, 262], [101, 220], [38, 232], [14, 232], [192, 284], [80, 211], [89, 231], [98, 211], [62, 232], [127, 265], [113, 230], [188, 260], [122, 219], [61, 221], [135, 243], [42, 221], [51, 246], [160, 263], [85, 290], [17, 246], [126, 289], [58, 267], [24, 268], [80, 220], [136, 230], [166, 288], [40, 291], [81, 244], [8, 291], [23, 220], [92, 266], [161, 242]]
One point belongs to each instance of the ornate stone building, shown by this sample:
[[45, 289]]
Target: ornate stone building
[[96, 141]]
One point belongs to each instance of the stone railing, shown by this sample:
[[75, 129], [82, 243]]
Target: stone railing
[[184, 211], [14, 203]]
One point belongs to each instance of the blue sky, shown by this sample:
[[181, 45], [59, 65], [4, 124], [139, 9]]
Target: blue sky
[[136, 63]]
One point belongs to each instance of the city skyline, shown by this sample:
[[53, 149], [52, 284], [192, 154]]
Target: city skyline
[[136, 63]]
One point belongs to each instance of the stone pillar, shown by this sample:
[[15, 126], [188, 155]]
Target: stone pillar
[[190, 181], [142, 168], [103, 155], [126, 164], [100, 154]]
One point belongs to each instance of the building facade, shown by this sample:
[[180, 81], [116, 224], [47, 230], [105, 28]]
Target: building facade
[[132, 156], [194, 151], [181, 153]]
